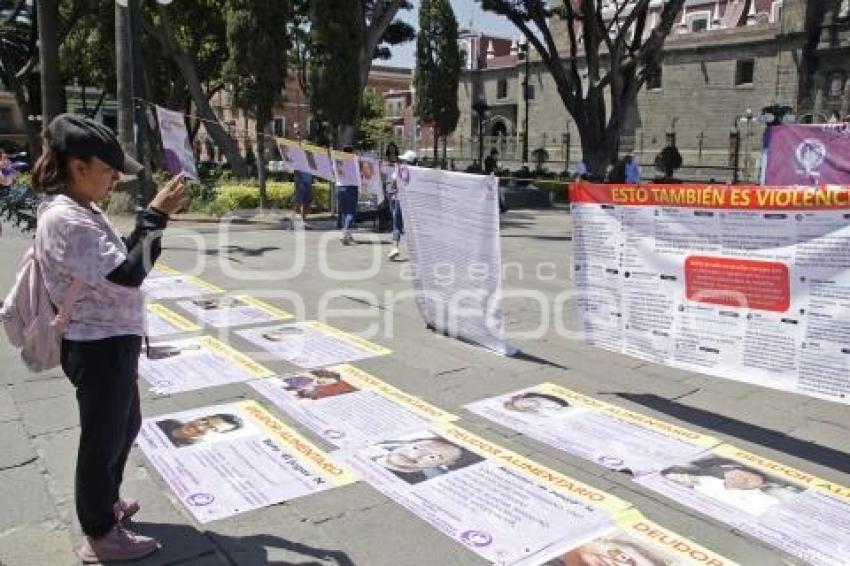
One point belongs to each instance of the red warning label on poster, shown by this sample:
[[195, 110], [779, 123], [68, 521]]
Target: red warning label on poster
[[762, 285]]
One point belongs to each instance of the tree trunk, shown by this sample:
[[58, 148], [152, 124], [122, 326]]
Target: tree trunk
[[124, 95], [48, 51], [436, 145], [25, 108], [445, 163], [346, 134], [205, 111], [261, 162]]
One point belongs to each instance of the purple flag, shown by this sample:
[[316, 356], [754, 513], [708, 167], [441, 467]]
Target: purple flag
[[807, 154]]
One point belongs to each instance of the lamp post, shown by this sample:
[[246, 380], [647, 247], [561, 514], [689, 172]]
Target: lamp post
[[134, 52], [480, 107], [523, 48]]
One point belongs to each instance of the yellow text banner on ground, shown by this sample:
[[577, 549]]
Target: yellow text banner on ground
[[350, 338], [264, 306], [793, 475], [235, 356], [365, 381], [667, 542], [537, 472], [668, 429], [172, 318], [305, 451]]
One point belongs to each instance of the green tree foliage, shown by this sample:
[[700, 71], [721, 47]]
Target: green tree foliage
[[602, 57], [437, 68], [256, 68], [334, 78], [346, 36], [372, 121]]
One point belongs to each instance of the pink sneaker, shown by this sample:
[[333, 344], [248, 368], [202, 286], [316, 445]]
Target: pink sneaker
[[117, 545], [125, 509]]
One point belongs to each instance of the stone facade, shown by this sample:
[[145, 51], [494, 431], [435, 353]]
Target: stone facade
[[723, 63]]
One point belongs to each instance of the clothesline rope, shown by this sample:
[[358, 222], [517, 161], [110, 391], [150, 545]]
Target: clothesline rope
[[274, 138]]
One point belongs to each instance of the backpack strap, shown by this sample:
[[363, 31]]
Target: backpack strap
[[67, 307]]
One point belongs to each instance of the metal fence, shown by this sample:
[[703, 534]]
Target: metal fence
[[557, 153]]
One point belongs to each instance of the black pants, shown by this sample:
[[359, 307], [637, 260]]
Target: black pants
[[105, 374]]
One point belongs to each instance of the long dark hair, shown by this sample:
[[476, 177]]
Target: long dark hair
[[50, 172], [391, 148]]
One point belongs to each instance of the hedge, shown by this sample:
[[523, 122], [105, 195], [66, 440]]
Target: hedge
[[236, 196]]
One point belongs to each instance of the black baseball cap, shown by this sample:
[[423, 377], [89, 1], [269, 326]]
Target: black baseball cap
[[77, 136]]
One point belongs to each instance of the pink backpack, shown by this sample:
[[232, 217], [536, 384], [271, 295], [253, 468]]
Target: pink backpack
[[30, 319]]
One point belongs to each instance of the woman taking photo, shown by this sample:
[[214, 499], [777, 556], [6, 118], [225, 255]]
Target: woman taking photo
[[80, 162]]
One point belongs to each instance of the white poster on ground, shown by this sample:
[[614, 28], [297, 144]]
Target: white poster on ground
[[161, 270], [747, 283], [637, 541], [312, 344], [498, 504], [162, 321], [349, 407], [451, 222], [196, 363], [609, 435], [790, 509], [177, 286], [233, 310], [179, 156], [228, 459]]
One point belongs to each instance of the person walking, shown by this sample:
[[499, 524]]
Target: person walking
[[303, 198], [75, 242], [391, 189], [347, 196]]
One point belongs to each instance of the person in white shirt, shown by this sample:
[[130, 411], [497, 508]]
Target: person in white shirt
[[74, 241]]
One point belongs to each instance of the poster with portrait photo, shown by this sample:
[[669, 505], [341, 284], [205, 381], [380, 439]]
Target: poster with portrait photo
[[178, 154], [228, 459], [347, 406], [609, 435], [370, 177], [787, 508], [496, 503], [346, 166], [292, 155], [195, 363], [319, 162], [636, 541], [311, 344], [232, 310], [177, 287]]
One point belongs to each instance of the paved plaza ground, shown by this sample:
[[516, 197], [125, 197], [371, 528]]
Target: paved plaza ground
[[356, 524]]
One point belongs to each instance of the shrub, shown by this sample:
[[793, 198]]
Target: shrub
[[246, 195]]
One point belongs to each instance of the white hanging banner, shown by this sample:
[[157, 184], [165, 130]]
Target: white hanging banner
[[452, 224], [179, 157], [747, 282]]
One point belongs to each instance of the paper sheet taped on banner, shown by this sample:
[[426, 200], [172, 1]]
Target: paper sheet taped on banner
[[763, 285]]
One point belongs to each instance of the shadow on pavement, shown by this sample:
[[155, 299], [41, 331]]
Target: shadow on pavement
[[779, 441], [243, 550]]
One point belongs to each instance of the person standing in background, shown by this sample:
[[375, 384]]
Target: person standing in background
[[303, 198], [632, 170], [347, 196]]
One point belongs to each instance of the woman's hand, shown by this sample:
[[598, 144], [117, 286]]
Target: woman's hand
[[171, 198]]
